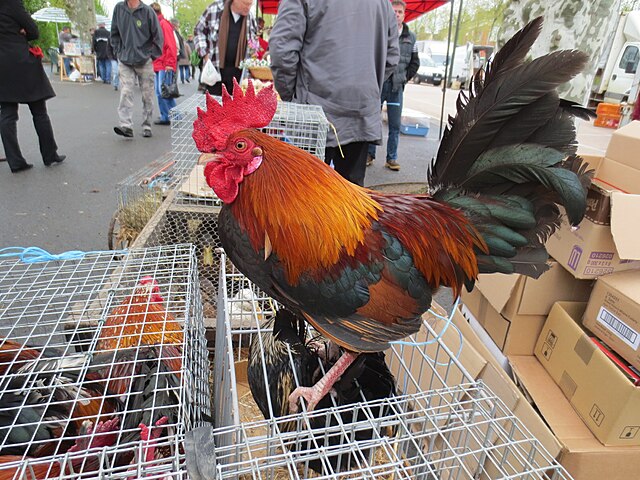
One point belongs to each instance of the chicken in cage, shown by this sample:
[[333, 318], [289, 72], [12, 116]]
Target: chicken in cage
[[282, 358], [459, 432], [96, 379], [413, 411]]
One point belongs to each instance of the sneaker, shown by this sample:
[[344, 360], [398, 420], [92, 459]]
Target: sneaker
[[123, 131], [162, 122], [370, 160], [392, 165], [147, 134]]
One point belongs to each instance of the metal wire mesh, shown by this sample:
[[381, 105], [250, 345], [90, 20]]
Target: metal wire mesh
[[440, 424], [196, 224], [140, 195], [304, 126], [82, 342]]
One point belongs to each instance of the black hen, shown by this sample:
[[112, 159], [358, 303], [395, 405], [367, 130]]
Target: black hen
[[301, 364]]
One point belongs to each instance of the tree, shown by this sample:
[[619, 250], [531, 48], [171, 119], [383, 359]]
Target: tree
[[188, 12]]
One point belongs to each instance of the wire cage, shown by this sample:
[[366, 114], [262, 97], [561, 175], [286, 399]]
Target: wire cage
[[439, 423], [91, 349], [139, 196], [304, 126], [198, 225]]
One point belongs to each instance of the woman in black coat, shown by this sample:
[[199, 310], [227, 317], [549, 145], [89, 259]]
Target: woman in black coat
[[22, 80]]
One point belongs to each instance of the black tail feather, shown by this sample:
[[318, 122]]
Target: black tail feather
[[508, 157]]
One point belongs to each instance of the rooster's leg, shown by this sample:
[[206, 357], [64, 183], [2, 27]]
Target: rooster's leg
[[316, 393]]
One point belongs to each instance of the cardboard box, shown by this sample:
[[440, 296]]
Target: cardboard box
[[584, 457], [606, 240], [513, 308], [625, 145], [603, 396], [613, 314]]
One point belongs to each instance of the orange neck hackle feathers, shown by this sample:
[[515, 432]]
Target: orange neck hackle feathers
[[244, 110], [293, 188]]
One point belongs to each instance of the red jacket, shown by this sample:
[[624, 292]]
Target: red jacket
[[169, 57]]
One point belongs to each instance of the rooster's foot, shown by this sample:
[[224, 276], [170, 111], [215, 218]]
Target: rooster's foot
[[312, 396]]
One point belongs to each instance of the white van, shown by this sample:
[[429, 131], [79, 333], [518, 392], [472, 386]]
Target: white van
[[429, 71]]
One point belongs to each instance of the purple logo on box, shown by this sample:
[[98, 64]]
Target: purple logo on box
[[574, 257]]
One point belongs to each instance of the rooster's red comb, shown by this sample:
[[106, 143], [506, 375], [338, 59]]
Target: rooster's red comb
[[244, 110]]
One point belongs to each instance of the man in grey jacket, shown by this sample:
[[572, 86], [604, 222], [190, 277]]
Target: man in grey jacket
[[337, 54], [393, 87], [136, 39]]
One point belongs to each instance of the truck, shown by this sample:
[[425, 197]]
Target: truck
[[467, 59], [618, 62]]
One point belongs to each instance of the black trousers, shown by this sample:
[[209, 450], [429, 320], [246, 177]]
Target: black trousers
[[9, 133], [354, 164]]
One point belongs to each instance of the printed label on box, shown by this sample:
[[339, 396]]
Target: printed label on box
[[630, 432], [620, 329]]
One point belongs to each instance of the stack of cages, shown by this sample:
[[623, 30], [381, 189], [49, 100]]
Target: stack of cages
[[103, 365], [192, 215], [139, 197], [436, 422]]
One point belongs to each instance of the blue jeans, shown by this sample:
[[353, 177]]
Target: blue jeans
[[104, 69], [184, 72], [115, 80], [67, 65], [394, 113], [165, 104]]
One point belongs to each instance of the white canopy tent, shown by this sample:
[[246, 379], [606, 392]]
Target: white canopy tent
[[58, 15]]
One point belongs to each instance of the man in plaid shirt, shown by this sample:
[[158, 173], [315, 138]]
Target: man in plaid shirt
[[222, 35]]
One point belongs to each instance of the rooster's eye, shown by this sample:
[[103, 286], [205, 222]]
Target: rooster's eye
[[241, 145]]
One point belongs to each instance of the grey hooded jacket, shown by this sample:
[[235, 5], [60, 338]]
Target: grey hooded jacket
[[336, 54]]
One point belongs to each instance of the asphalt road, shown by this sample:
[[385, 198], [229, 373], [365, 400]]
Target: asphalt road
[[69, 206]]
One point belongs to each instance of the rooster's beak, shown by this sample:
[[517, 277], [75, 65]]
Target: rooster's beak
[[206, 158]]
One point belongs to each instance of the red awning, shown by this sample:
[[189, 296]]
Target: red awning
[[415, 8]]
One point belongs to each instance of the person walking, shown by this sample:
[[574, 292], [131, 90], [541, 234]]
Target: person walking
[[23, 80], [165, 66], [100, 46], [393, 87], [184, 53], [193, 55], [222, 35], [136, 39], [337, 54]]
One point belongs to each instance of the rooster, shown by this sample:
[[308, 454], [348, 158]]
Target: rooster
[[50, 400], [140, 319], [362, 266], [46, 399], [90, 437]]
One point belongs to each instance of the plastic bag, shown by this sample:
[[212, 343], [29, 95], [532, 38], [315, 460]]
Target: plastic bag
[[210, 75], [74, 76], [169, 88], [194, 58]]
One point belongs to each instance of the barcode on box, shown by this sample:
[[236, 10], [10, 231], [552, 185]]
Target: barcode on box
[[623, 331]]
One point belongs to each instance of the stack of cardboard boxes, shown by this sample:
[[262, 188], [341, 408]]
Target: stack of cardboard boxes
[[571, 339]]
